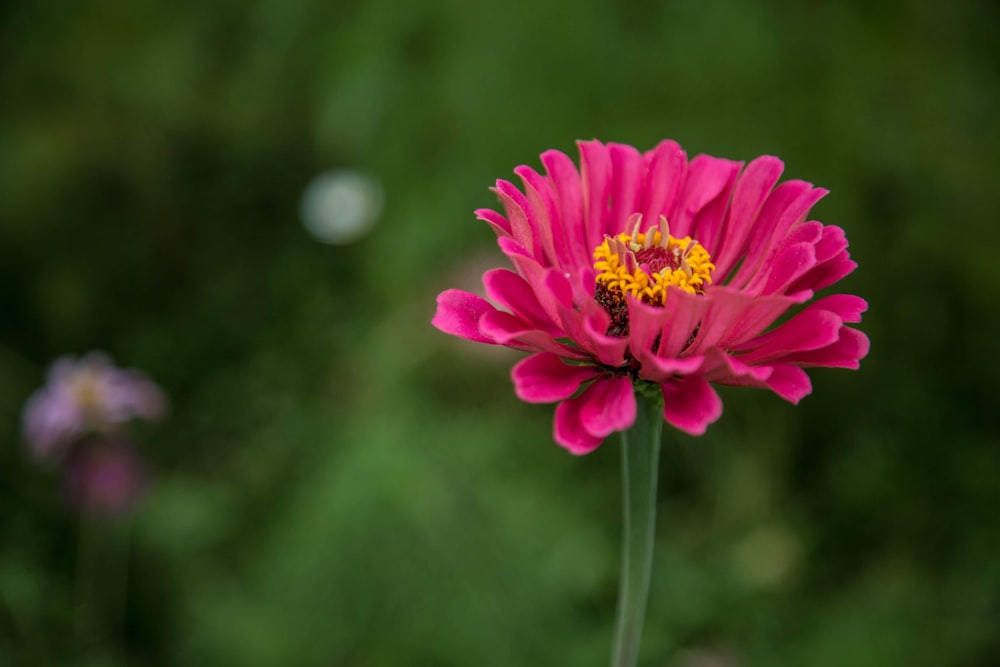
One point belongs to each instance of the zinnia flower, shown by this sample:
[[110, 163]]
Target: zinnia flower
[[646, 269], [86, 396]]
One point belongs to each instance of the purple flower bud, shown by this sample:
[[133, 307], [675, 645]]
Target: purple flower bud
[[104, 478]]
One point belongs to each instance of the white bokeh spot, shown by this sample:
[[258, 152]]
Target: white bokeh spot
[[341, 207]]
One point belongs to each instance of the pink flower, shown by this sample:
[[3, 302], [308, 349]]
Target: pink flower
[[86, 396], [644, 269]]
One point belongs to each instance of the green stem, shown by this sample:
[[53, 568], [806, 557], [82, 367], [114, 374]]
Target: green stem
[[640, 460], [87, 562]]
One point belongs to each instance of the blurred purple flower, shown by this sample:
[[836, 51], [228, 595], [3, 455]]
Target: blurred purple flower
[[104, 477], [85, 396]]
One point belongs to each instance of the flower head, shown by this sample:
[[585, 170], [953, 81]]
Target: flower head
[[85, 396], [646, 269]]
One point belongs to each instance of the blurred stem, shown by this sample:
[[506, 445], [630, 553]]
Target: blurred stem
[[87, 556], [102, 564], [640, 460]]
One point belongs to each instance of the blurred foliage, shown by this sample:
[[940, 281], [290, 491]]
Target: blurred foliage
[[340, 484]]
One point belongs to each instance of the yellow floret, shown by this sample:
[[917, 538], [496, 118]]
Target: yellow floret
[[692, 276]]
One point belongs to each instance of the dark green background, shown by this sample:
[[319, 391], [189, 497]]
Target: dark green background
[[339, 483]]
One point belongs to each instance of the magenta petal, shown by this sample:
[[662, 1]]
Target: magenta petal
[[793, 262], [511, 291], [667, 170], [566, 182], [690, 404], [539, 192], [752, 189], [807, 232], [687, 312], [660, 369], [761, 313], [506, 329], [705, 195], [544, 378], [847, 306], [500, 224], [832, 243], [609, 350], [725, 369], [595, 174], [608, 406], [825, 274], [646, 324], [557, 284], [518, 209], [567, 430], [627, 184], [850, 348], [787, 205], [809, 330], [458, 314], [790, 382]]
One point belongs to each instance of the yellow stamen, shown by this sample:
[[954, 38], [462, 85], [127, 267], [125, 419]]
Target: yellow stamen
[[659, 260]]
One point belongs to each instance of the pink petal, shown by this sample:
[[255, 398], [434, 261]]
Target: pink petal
[[511, 291], [705, 195], [787, 204], [789, 382], [790, 264], [832, 243], [523, 228], [725, 309], [686, 313], [825, 274], [760, 314], [458, 314], [807, 232], [550, 228], [569, 193], [548, 291], [501, 225], [646, 324], [608, 350], [595, 167], [809, 330], [660, 369], [544, 378], [666, 173], [690, 404], [723, 368], [847, 306], [629, 176], [846, 352], [557, 284], [752, 189], [515, 252], [608, 406], [567, 430], [506, 329]]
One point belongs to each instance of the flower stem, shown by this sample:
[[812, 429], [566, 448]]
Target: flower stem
[[640, 460]]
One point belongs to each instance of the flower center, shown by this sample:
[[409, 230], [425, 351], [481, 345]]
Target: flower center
[[87, 390], [645, 265]]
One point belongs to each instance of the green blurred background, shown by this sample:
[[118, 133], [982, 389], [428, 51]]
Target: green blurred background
[[339, 483]]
